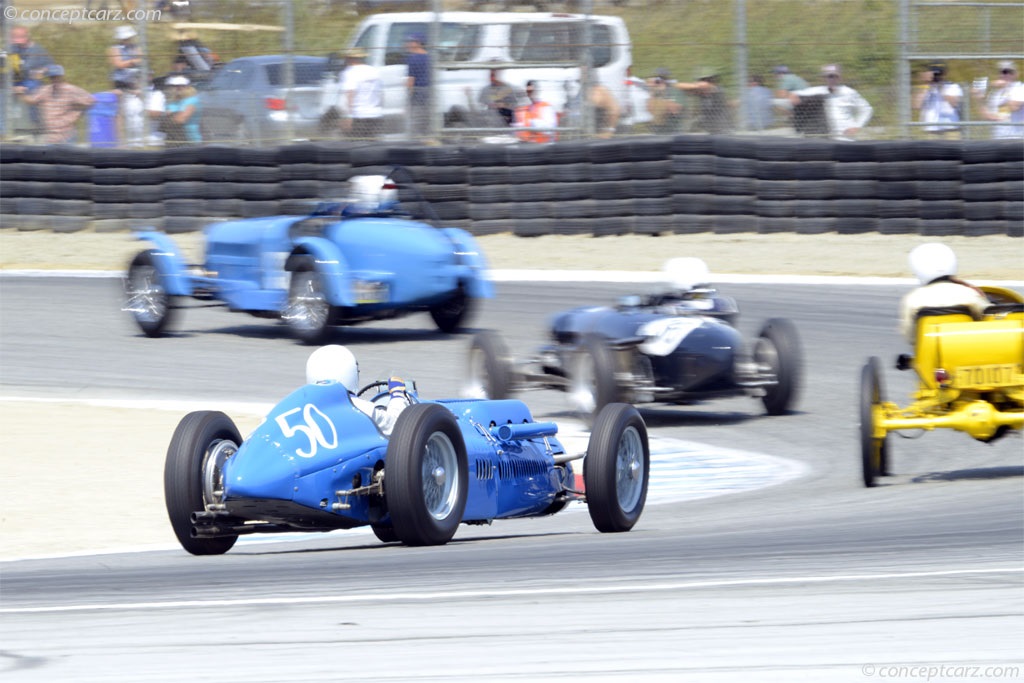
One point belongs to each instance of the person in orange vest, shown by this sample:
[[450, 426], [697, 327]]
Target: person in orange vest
[[537, 118]]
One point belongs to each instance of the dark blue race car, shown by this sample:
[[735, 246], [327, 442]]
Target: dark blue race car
[[319, 463], [351, 261], [677, 347]]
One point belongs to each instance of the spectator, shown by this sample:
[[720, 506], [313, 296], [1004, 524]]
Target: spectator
[[417, 61], [713, 113], [665, 104], [361, 91], [636, 112], [155, 102], [131, 117], [180, 123], [757, 104], [786, 82], [1005, 102], [27, 61], [846, 112], [600, 100], [536, 120], [125, 57], [499, 99], [939, 102], [60, 105], [934, 266]]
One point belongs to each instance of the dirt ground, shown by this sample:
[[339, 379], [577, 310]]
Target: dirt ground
[[116, 501], [991, 257]]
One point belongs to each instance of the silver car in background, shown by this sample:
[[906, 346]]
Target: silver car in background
[[246, 101]]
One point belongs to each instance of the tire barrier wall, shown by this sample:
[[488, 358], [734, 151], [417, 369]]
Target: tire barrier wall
[[647, 185]]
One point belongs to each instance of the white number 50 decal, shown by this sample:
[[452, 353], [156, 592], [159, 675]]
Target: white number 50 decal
[[312, 430]]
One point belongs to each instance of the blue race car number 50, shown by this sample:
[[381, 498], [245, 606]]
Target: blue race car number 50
[[313, 426]]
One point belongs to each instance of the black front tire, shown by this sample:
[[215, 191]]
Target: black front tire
[[308, 312], [200, 436], [426, 475], [874, 453], [490, 371], [592, 383], [617, 468], [145, 296], [385, 533], [778, 351]]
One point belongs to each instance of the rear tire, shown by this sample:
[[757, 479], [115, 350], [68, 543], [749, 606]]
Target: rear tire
[[449, 315], [778, 352], [151, 306], [490, 371], [192, 471], [874, 453], [617, 468], [426, 475]]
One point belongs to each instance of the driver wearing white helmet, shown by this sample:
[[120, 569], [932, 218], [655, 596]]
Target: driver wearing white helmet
[[689, 280], [934, 265], [337, 364]]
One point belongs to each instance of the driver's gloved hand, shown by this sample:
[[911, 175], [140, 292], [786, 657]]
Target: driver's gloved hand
[[396, 387]]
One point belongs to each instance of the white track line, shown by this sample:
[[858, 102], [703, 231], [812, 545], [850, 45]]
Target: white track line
[[447, 596]]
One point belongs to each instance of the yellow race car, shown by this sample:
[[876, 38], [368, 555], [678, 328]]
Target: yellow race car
[[970, 378]]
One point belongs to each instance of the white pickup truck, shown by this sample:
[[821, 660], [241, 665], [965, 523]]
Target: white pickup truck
[[540, 46]]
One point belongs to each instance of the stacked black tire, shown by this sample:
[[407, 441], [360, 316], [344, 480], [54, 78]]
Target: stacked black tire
[[640, 185]]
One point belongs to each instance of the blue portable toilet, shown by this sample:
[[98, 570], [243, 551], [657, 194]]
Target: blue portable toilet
[[103, 120]]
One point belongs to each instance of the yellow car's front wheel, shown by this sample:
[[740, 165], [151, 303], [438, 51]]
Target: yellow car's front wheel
[[874, 451]]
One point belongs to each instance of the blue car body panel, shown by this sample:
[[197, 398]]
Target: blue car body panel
[[315, 443]]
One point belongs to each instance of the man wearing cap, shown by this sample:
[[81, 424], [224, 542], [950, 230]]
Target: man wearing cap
[[125, 58], [665, 104], [845, 110], [27, 61], [786, 82], [537, 119], [713, 112], [1005, 102], [361, 92], [939, 101], [60, 105], [181, 120], [417, 82]]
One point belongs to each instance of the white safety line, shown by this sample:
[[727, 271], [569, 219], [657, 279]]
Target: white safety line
[[607, 276], [448, 596]]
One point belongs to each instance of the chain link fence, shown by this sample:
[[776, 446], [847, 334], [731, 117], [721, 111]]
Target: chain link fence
[[270, 71]]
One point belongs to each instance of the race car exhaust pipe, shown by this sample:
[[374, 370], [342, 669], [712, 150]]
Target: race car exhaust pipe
[[526, 430]]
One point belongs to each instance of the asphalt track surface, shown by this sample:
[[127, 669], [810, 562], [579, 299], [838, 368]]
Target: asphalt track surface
[[817, 579]]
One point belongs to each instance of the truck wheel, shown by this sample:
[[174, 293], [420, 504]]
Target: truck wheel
[[308, 312], [617, 468], [874, 453], [426, 475], [592, 383], [145, 296], [777, 352], [489, 367], [201, 443]]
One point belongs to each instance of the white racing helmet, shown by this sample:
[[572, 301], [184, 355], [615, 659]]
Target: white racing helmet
[[369, 193], [686, 273], [333, 363], [931, 261]]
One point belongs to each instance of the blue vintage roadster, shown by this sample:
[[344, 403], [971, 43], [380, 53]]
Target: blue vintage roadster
[[348, 262], [318, 463]]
